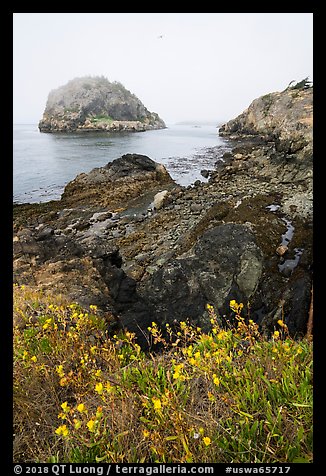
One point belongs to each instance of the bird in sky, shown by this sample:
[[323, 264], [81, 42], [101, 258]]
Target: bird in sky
[[161, 36]]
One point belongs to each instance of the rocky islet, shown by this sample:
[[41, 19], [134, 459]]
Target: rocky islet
[[106, 243], [96, 104]]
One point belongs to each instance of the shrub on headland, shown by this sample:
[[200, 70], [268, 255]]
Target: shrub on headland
[[229, 395]]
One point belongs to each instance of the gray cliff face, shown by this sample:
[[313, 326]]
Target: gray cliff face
[[284, 117], [96, 104]]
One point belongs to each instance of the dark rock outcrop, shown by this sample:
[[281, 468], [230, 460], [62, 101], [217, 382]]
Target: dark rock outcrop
[[95, 104], [117, 182], [224, 263]]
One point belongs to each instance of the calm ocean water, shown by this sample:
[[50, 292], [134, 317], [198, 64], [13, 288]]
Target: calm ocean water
[[44, 163]]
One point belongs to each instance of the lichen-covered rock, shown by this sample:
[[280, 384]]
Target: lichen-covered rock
[[95, 104]]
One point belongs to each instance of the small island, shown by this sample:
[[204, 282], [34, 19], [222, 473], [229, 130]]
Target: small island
[[95, 104]]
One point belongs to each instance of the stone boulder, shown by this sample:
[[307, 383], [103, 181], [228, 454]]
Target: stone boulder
[[159, 199]]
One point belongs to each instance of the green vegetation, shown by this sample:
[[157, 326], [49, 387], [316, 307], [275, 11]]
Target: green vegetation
[[101, 118], [303, 84], [226, 396]]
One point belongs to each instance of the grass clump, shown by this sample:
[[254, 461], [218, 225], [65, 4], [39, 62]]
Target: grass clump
[[101, 119], [229, 395]]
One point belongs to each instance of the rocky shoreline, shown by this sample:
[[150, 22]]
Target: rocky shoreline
[[128, 239]]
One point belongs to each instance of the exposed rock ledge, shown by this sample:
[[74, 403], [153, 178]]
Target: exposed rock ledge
[[115, 184], [95, 104]]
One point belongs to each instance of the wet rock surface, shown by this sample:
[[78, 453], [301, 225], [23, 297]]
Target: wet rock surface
[[105, 242]]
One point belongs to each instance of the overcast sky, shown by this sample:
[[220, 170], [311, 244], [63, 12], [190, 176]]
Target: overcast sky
[[184, 66]]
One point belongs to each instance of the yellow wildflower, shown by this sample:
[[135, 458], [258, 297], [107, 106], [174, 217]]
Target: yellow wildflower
[[81, 408], [276, 334], [59, 370], [145, 433], [65, 407], [99, 388], [177, 370], [281, 323], [62, 430], [235, 306], [157, 403], [34, 358], [216, 380], [47, 323], [207, 441], [189, 350], [91, 425]]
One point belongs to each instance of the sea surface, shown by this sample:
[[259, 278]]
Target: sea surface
[[44, 163]]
